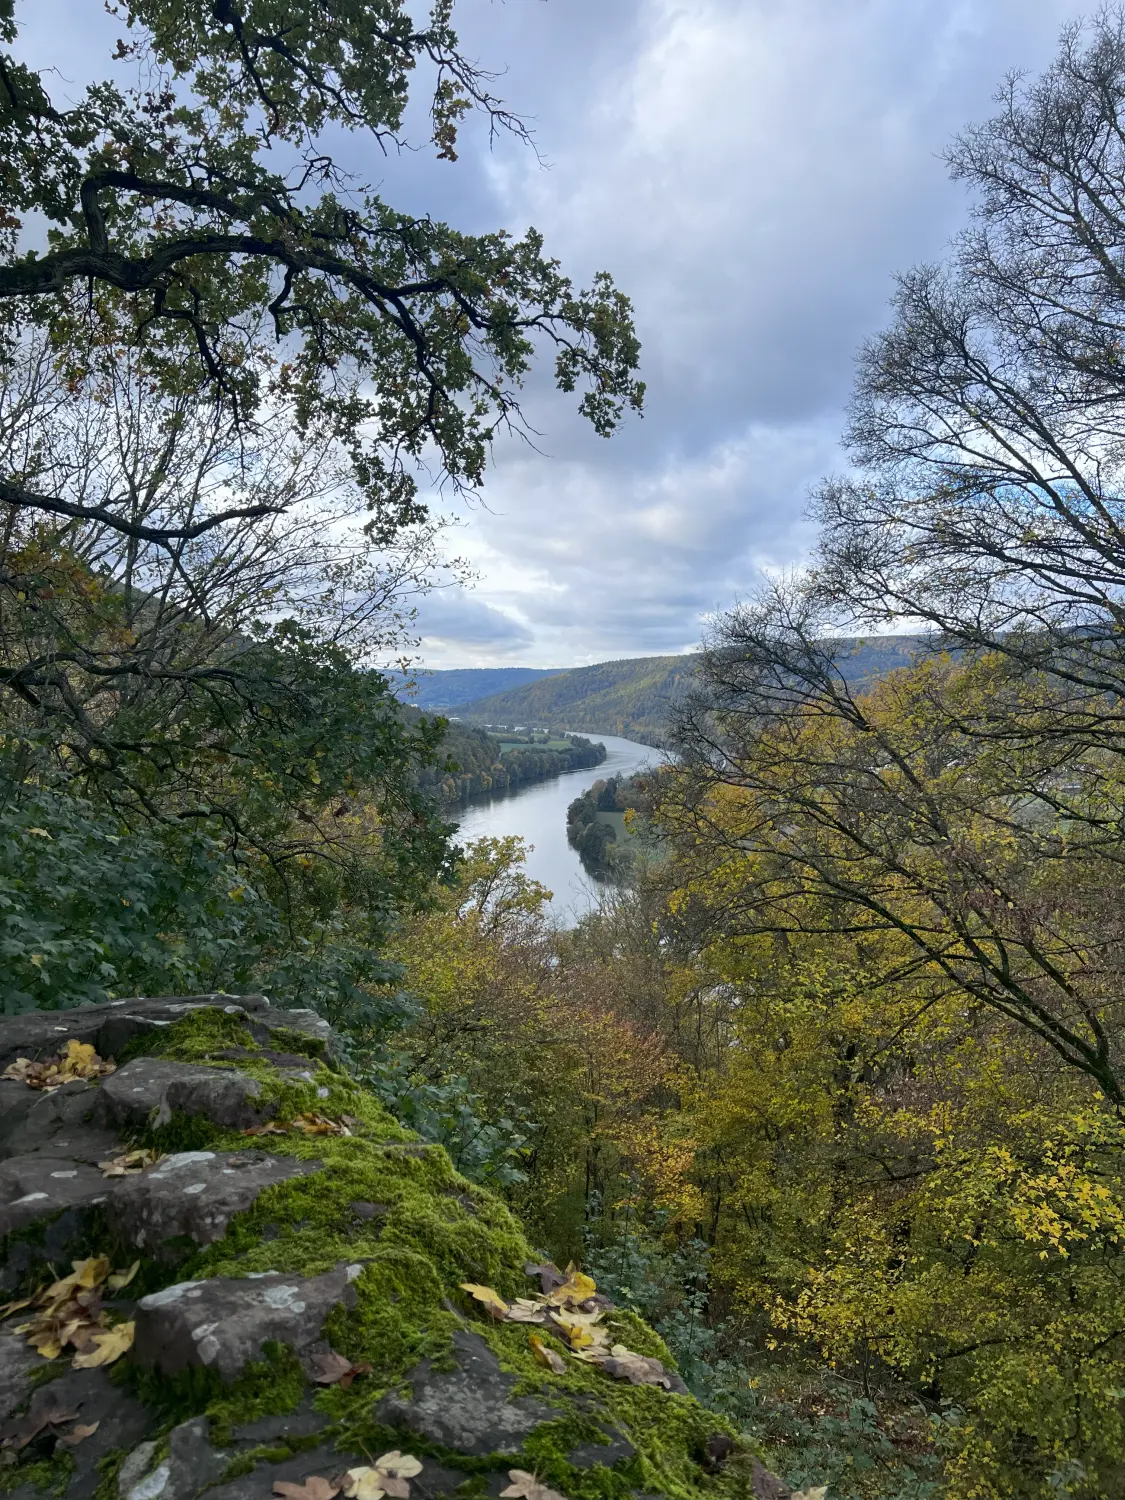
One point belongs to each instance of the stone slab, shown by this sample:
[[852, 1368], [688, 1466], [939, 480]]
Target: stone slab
[[470, 1409], [149, 1090], [38, 1187], [222, 1324], [196, 1193]]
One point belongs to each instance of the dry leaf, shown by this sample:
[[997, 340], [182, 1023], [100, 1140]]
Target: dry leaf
[[128, 1163], [524, 1310], [817, 1492], [79, 1434], [315, 1487], [637, 1369], [314, 1124], [30, 1427], [576, 1288], [110, 1344], [10, 1307], [388, 1475], [545, 1355], [525, 1486], [121, 1279], [268, 1129], [336, 1369], [548, 1273], [77, 1060], [401, 1465], [495, 1303], [85, 1275]]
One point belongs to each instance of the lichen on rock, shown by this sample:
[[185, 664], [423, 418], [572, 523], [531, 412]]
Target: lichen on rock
[[287, 1216]]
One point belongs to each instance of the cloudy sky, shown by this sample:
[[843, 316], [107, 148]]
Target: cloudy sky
[[753, 172]]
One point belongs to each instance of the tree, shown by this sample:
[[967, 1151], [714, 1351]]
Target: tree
[[193, 210]]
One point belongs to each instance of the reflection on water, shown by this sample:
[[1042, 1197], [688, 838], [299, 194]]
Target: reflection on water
[[538, 815]]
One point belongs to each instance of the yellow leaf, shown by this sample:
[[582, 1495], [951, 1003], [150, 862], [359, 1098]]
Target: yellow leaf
[[110, 1345], [495, 1303], [546, 1356], [120, 1279]]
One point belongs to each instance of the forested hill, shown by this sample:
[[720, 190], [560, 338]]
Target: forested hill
[[458, 685], [632, 697]]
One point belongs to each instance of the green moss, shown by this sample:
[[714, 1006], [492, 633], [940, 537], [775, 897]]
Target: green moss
[[433, 1231], [49, 1475]]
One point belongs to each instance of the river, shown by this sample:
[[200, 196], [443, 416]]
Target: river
[[537, 813]]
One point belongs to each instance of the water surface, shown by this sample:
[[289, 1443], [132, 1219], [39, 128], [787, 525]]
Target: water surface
[[537, 814]]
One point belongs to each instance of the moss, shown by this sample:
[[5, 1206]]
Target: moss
[[434, 1231], [109, 1466], [49, 1475]]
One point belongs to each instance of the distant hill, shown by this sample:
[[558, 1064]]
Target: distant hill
[[449, 689], [628, 697], [632, 697]]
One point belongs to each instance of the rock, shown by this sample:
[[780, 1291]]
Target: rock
[[39, 1187], [190, 1466], [222, 1324], [16, 1364], [396, 1204], [59, 1123], [470, 1409], [119, 1420], [149, 1091], [195, 1193]]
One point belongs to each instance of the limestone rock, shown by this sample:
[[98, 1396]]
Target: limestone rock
[[149, 1091], [471, 1408], [222, 1324], [195, 1193], [401, 1230], [39, 1187]]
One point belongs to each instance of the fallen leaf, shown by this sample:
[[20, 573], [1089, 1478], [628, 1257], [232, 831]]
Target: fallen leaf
[[576, 1288], [637, 1369], [328, 1368], [401, 1465], [364, 1484], [121, 1279], [26, 1428], [128, 1163], [546, 1356], [268, 1129], [10, 1307], [314, 1124], [525, 1486], [111, 1344], [315, 1487], [79, 1434], [85, 1275], [495, 1303], [817, 1492], [524, 1310], [548, 1273]]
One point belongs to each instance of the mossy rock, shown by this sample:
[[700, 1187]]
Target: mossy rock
[[259, 1253]]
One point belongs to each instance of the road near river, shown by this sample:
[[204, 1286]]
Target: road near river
[[538, 814]]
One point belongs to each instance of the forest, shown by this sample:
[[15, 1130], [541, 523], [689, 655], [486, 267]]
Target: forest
[[834, 1092], [476, 763]]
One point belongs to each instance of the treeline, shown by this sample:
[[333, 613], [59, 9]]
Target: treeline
[[592, 825], [475, 763]]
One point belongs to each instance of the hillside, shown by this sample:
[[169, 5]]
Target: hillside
[[632, 697], [458, 685]]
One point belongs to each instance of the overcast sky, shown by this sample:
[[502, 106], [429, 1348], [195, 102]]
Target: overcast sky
[[753, 172]]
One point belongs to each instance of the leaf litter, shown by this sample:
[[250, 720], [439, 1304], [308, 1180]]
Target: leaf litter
[[525, 1486], [69, 1312], [77, 1061], [571, 1307]]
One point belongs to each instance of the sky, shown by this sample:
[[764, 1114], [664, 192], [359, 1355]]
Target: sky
[[753, 173]]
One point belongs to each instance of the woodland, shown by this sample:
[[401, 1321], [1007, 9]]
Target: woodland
[[833, 1093]]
